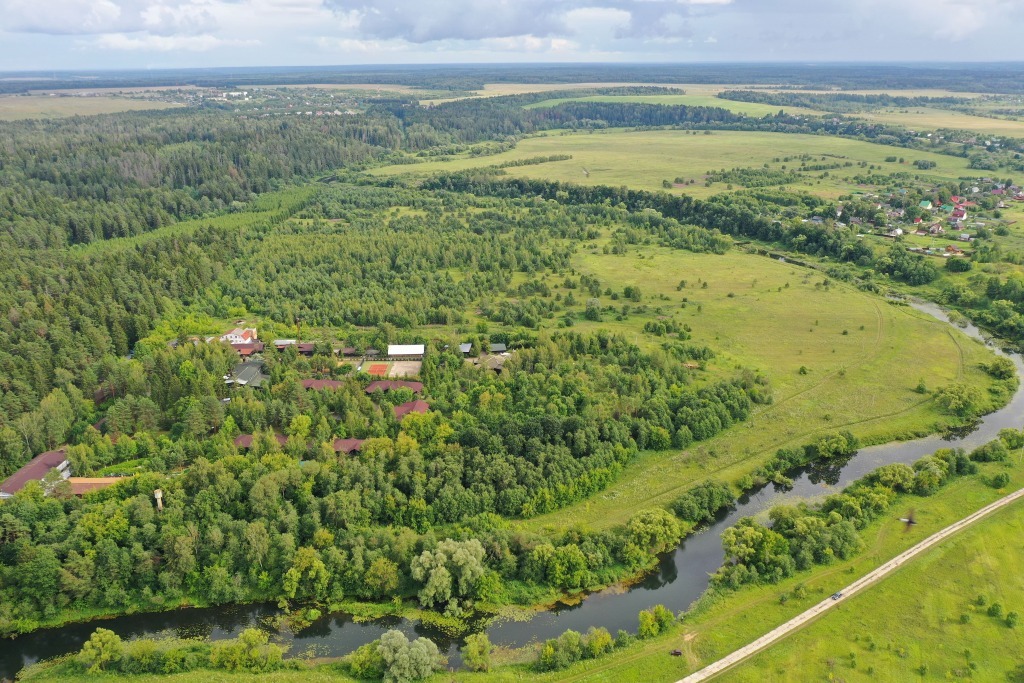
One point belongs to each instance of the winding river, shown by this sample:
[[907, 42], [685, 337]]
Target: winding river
[[680, 578]]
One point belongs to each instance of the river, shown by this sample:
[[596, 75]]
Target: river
[[681, 577]]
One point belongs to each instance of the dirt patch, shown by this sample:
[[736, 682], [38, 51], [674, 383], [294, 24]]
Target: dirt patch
[[405, 368]]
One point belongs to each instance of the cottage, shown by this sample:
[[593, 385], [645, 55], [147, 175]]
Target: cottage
[[321, 384], [244, 441], [247, 349], [239, 335], [498, 348], [388, 385], [417, 406], [347, 445], [282, 344], [83, 485], [926, 205], [247, 374], [466, 349], [35, 470], [406, 351]]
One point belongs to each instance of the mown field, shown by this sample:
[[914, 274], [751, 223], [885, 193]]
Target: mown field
[[927, 118], [644, 159], [778, 318], [15, 107], [913, 618]]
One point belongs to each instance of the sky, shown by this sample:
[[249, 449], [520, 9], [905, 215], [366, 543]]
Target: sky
[[95, 34]]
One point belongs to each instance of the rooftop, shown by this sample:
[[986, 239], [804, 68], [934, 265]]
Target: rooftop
[[388, 385], [34, 470], [417, 406]]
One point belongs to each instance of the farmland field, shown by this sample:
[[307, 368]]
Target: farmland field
[[44, 106], [748, 108], [644, 159]]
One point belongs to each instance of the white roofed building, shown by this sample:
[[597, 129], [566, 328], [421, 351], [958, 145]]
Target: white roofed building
[[406, 350]]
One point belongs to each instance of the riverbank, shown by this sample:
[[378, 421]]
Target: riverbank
[[679, 578]]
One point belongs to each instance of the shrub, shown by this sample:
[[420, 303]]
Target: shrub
[[103, 647], [476, 653]]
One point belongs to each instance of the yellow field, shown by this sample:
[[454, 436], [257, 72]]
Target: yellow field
[[16, 107], [642, 160], [924, 118]]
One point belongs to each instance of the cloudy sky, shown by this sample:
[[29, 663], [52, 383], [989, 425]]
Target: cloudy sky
[[65, 34]]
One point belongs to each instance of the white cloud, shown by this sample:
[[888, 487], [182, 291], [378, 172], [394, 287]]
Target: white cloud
[[158, 43]]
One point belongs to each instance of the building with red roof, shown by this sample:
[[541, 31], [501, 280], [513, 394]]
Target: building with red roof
[[34, 470], [321, 384], [347, 445], [388, 385], [417, 406]]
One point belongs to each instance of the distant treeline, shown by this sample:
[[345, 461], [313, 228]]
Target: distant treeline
[[1001, 77], [837, 102]]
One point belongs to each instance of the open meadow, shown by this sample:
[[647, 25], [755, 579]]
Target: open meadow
[[16, 107], [898, 629], [644, 159], [837, 359]]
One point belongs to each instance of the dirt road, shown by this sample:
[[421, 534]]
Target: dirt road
[[804, 618]]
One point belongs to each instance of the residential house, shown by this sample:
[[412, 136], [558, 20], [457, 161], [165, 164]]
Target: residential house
[[417, 406], [348, 445], [244, 441], [247, 374], [926, 205], [466, 349], [498, 348], [35, 470], [247, 349], [321, 384], [239, 335], [388, 385], [83, 485]]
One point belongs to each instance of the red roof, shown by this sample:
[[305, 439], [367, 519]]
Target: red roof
[[320, 384], [417, 406], [347, 445], [388, 385], [34, 470], [245, 440], [83, 485], [305, 347], [955, 199], [248, 349]]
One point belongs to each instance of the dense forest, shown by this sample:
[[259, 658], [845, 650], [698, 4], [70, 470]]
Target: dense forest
[[132, 238]]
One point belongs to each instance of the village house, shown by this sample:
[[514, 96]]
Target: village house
[[321, 384], [417, 406], [244, 441], [347, 445], [388, 385], [247, 374], [239, 335], [35, 470]]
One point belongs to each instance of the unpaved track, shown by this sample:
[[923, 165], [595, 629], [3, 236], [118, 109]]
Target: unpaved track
[[860, 584]]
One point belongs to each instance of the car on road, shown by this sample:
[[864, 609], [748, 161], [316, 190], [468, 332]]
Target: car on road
[[837, 595]]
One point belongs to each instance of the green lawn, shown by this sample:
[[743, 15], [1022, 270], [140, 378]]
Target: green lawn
[[643, 159], [778, 320]]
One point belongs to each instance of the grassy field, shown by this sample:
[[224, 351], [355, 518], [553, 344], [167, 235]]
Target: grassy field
[[748, 108], [777, 318], [643, 159], [894, 628], [16, 107], [926, 118]]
